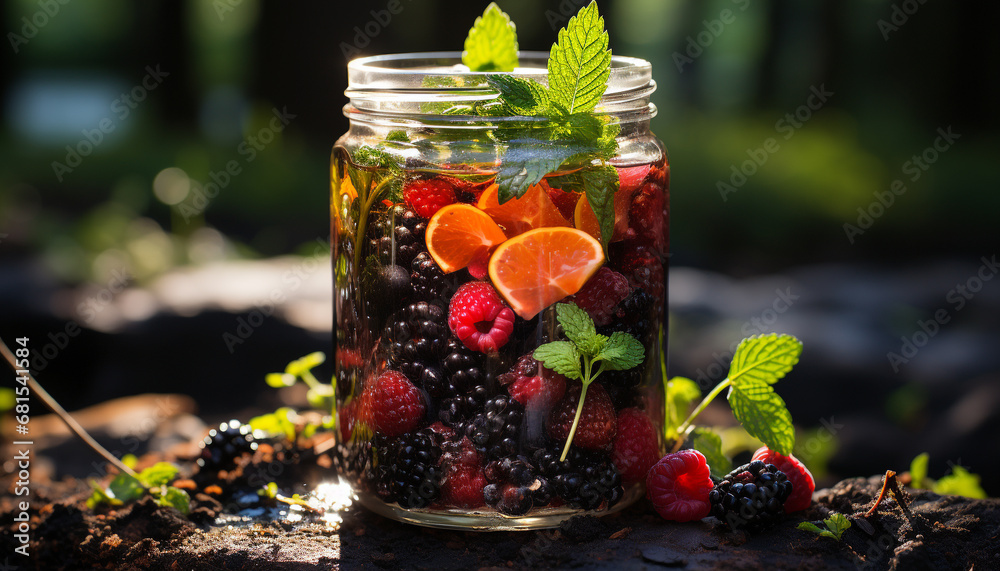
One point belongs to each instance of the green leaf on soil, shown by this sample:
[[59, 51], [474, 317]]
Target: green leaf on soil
[[918, 471], [175, 498], [126, 488], [960, 482], [158, 474]]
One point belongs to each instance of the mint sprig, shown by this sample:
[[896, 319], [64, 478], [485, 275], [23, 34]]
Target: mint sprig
[[492, 42], [153, 480], [586, 355], [833, 526], [759, 362], [580, 62]]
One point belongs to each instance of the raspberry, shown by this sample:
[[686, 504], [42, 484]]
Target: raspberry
[[428, 196], [802, 481], [463, 487], [480, 318], [646, 216], [636, 446], [631, 178], [564, 201], [602, 292], [597, 425], [639, 262], [679, 485], [751, 496], [533, 385], [392, 406]]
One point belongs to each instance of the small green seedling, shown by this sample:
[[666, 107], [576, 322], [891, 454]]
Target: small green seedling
[[835, 526]]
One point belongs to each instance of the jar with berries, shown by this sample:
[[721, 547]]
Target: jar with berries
[[500, 238]]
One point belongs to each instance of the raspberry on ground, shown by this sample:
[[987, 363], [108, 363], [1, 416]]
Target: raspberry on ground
[[679, 484], [602, 292], [636, 445], [802, 481], [532, 385], [393, 405], [463, 486], [428, 196], [597, 426], [479, 317]]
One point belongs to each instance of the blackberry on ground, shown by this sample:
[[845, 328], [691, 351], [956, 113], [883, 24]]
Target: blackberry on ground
[[429, 282], [225, 445], [751, 496], [417, 337], [515, 486], [586, 479], [496, 431], [398, 236], [634, 315], [407, 470]]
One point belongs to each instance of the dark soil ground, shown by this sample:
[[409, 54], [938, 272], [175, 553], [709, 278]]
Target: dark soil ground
[[943, 532]]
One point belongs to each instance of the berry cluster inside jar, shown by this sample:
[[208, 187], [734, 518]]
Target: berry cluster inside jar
[[448, 293]]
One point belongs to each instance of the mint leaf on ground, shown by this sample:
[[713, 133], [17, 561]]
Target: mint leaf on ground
[[520, 96], [960, 482], [561, 357], [158, 474], [125, 488], [765, 358], [580, 62], [100, 497], [175, 498], [763, 414], [918, 470], [835, 526], [492, 42], [706, 441], [621, 352]]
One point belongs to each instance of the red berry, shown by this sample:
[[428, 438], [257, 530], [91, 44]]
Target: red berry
[[428, 196], [439, 428], [630, 179], [678, 485], [532, 385], [602, 292], [479, 317], [647, 216], [392, 405], [802, 481], [463, 486], [641, 265], [636, 445], [346, 415], [597, 425], [564, 201]]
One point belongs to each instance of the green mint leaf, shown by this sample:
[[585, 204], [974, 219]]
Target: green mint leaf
[[918, 471], [621, 352], [960, 482], [301, 365], [764, 358], [580, 62], [680, 393], [100, 497], [175, 498], [763, 414], [706, 441], [277, 423], [576, 323], [369, 156], [125, 488], [398, 135], [492, 42], [809, 526], [158, 474], [837, 523], [519, 96], [278, 380], [561, 357], [524, 165], [601, 184]]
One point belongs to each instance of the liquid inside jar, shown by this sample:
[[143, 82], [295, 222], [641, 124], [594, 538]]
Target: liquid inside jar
[[445, 417]]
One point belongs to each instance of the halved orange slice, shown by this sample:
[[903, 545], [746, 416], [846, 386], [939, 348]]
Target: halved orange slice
[[533, 210], [585, 219], [540, 267], [458, 234]]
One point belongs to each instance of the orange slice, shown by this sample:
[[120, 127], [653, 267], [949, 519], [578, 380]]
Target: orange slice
[[540, 267], [458, 234], [585, 219], [533, 210]]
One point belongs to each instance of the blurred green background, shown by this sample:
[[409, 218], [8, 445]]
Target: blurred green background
[[728, 72]]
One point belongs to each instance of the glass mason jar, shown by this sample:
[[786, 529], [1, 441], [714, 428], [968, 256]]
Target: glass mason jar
[[445, 419]]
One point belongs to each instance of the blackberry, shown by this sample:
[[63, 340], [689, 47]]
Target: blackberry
[[634, 315], [515, 486], [225, 445], [584, 480], [398, 236], [496, 431], [416, 337], [751, 496], [463, 387], [429, 282], [407, 471]]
